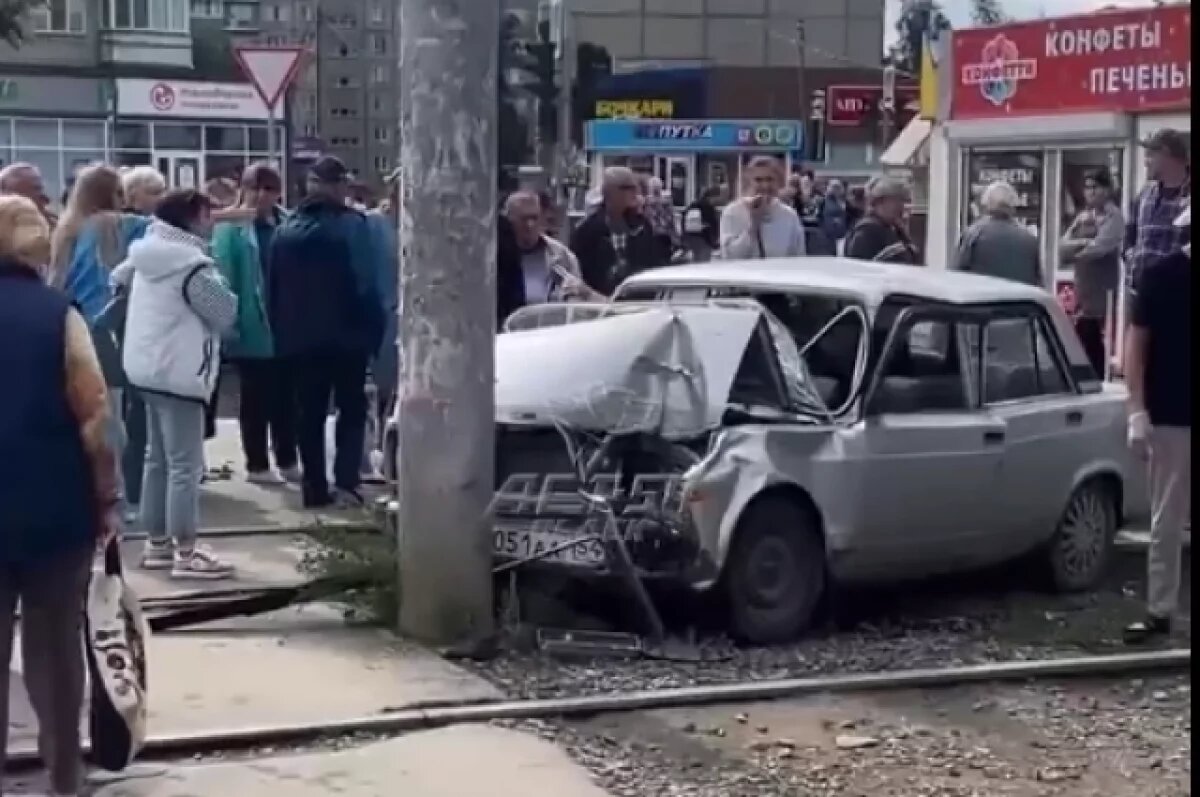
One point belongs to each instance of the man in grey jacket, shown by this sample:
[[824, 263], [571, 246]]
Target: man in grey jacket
[[760, 225], [1093, 246], [998, 245]]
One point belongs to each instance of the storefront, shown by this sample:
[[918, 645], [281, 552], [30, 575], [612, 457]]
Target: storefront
[[1041, 104], [58, 124], [191, 131], [690, 155]]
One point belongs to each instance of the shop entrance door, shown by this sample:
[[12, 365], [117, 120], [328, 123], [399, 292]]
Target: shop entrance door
[[182, 169], [678, 175]]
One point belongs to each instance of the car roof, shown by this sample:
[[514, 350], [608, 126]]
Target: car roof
[[870, 281]]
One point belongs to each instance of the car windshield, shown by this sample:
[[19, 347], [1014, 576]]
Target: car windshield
[[831, 332], [802, 388]]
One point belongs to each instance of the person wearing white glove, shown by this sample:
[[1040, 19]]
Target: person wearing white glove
[[1158, 372]]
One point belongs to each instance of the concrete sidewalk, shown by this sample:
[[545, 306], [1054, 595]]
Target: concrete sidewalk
[[235, 504], [298, 666], [463, 761]]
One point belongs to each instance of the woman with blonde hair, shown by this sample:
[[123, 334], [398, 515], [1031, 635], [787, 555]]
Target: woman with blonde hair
[[58, 487], [91, 238]]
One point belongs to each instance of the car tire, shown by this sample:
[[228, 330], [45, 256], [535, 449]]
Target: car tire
[[1078, 555], [775, 575]]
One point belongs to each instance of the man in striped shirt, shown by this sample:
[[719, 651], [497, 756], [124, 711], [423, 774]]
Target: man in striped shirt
[[1150, 233]]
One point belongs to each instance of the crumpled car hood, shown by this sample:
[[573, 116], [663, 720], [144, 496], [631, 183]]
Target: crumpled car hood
[[662, 369]]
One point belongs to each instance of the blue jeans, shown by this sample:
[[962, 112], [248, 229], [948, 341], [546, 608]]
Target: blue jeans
[[170, 508]]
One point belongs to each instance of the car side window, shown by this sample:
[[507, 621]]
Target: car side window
[[1019, 361], [923, 370]]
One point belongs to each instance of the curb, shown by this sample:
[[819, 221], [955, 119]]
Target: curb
[[415, 719]]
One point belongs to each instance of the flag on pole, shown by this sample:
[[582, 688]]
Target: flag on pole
[[929, 84]]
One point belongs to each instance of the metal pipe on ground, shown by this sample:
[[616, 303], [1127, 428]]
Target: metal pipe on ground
[[293, 530], [427, 718]]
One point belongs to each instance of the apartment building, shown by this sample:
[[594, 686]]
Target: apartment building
[[134, 82], [346, 102]]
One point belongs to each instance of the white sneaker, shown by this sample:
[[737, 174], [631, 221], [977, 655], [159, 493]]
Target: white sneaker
[[265, 478], [157, 556], [200, 563]]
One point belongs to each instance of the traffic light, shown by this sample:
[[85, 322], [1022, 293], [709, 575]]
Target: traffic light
[[593, 65], [513, 138], [538, 60]]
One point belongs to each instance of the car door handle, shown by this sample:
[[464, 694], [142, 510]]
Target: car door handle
[[1074, 418], [993, 438]]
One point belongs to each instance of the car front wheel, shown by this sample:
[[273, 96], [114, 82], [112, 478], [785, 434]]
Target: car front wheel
[[1079, 552], [775, 574]]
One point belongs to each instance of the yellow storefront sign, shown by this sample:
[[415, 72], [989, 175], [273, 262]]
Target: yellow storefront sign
[[635, 109]]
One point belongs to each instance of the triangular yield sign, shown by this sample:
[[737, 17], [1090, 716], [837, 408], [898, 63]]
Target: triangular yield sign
[[270, 69]]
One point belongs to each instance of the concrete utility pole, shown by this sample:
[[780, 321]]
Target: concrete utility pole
[[446, 460]]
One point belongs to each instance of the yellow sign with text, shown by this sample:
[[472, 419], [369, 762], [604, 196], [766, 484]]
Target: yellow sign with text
[[635, 109]]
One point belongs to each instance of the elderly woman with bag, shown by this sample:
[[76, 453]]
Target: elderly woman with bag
[[58, 486]]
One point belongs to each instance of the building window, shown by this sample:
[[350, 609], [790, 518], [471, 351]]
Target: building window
[[379, 74], [163, 15], [278, 13], [275, 41], [377, 13], [379, 44], [345, 113], [344, 21], [241, 16], [383, 134], [305, 11], [347, 82], [309, 131], [58, 16], [378, 103], [383, 163], [207, 9]]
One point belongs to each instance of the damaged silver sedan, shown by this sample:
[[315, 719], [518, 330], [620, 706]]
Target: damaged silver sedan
[[763, 429]]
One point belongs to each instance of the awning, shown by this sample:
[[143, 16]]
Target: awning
[[904, 150]]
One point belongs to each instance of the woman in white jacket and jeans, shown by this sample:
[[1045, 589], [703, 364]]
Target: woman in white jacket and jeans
[[179, 307]]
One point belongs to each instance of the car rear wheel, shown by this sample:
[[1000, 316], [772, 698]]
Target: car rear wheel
[[775, 574], [1079, 553]]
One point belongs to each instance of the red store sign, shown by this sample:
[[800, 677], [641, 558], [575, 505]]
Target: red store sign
[[852, 106], [1137, 60]]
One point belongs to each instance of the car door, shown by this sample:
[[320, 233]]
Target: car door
[[931, 456], [1048, 425]]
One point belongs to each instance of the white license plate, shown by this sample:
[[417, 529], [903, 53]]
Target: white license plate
[[530, 543]]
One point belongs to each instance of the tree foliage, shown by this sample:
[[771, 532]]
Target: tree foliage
[[918, 19], [988, 12], [14, 15]]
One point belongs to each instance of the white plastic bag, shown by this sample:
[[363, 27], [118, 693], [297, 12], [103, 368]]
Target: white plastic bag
[[116, 637]]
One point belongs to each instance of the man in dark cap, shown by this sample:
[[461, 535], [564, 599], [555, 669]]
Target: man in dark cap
[[1150, 231], [327, 317]]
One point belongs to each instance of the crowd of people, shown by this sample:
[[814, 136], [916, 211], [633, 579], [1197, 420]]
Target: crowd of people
[[125, 307], [631, 225]]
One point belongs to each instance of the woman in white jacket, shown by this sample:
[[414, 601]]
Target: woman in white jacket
[[179, 307]]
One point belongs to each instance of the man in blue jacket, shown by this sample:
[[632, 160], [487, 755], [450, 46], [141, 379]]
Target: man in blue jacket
[[327, 316]]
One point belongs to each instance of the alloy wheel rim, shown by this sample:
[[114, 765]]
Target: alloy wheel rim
[[1083, 534]]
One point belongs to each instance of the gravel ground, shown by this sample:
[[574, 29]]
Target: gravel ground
[[1129, 738], [940, 624]]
